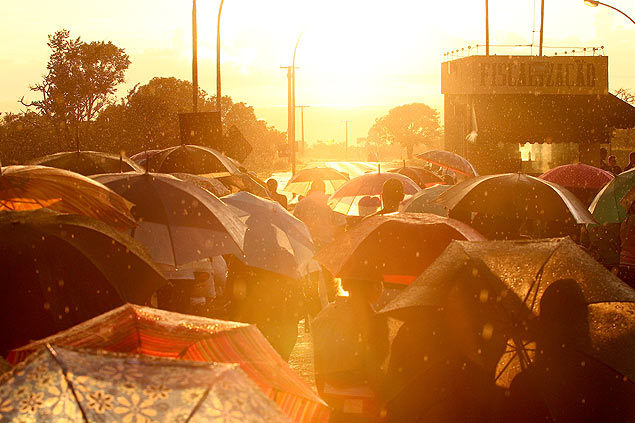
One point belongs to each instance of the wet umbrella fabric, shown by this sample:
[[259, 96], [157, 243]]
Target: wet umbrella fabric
[[212, 185], [301, 183], [33, 187], [361, 196], [582, 180], [422, 202], [422, 177], [512, 276], [58, 384], [178, 222], [59, 270], [194, 159], [395, 248], [88, 162], [515, 195], [246, 182], [150, 332], [450, 161], [606, 207], [275, 240]]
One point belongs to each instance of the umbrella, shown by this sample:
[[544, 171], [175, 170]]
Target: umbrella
[[394, 248], [582, 180], [275, 240], [422, 177], [246, 182], [34, 187], [212, 185], [422, 202], [141, 157], [450, 161], [150, 332], [58, 384], [178, 222], [512, 277], [514, 195], [361, 196], [59, 270], [301, 183], [606, 207], [88, 162], [194, 159]]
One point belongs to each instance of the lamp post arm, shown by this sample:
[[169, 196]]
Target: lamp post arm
[[617, 10]]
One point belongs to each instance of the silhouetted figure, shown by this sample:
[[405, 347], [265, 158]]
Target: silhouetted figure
[[321, 220], [603, 154], [392, 194], [350, 342], [272, 186], [627, 251], [613, 167], [631, 161]]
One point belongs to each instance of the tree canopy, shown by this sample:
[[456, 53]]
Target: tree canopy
[[407, 125]]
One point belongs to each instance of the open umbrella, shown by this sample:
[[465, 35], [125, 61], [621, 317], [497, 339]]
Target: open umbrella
[[511, 276], [158, 333], [211, 184], [246, 182], [88, 162], [582, 180], [34, 187], [59, 270], [422, 177], [606, 207], [58, 384], [514, 195], [178, 222], [422, 202], [275, 240], [301, 182], [450, 161], [394, 248], [361, 196], [195, 159]]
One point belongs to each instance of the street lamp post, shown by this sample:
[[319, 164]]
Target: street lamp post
[[194, 61], [346, 122], [594, 3], [220, 9], [291, 106], [302, 107]]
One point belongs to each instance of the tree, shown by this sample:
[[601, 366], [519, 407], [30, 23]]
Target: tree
[[80, 82], [625, 94], [407, 125]]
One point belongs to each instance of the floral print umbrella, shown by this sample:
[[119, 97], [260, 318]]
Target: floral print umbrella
[[61, 385]]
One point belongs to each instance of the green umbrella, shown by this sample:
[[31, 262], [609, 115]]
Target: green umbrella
[[606, 207]]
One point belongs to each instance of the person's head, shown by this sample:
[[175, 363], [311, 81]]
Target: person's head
[[563, 313], [272, 185], [631, 157], [367, 290], [612, 161], [603, 153], [392, 194], [318, 186]]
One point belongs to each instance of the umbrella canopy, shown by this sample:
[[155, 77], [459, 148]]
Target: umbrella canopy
[[141, 157], [301, 183], [34, 187], [422, 177], [496, 269], [394, 248], [361, 196], [275, 240], [606, 207], [151, 332], [59, 270], [422, 202], [178, 222], [88, 162], [58, 384], [212, 185], [246, 182], [582, 180], [450, 161], [515, 195], [194, 159]]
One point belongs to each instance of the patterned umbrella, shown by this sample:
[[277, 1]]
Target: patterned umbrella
[[58, 384], [450, 161], [88, 162], [582, 180], [151, 332], [34, 187]]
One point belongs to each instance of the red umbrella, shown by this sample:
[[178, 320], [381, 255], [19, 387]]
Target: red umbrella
[[394, 248], [583, 180]]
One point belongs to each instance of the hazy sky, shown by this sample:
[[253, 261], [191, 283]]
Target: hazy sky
[[357, 58]]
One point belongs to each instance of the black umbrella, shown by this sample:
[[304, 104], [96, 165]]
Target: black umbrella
[[88, 162], [194, 159], [59, 270]]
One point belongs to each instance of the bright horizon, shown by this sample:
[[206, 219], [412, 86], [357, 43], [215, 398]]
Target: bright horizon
[[357, 59]]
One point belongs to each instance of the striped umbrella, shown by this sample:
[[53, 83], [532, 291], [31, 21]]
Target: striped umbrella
[[146, 331]]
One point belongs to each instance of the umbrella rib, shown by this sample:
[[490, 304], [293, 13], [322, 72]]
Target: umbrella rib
[[198, 404], [537, 280], [53, 354], [514, 355]]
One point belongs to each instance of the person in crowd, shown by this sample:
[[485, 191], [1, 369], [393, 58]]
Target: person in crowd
[[631, 161], [272, 186], [350, 343], [627, 251], [613, 167], [392, 194], [603, 154], [322, 221]]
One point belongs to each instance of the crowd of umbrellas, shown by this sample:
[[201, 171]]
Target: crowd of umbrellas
[[87, 239]]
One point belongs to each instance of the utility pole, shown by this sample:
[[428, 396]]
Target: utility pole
[[194, 61], [487, 27], [346, 122], [291, 114], [542, 25], [218, 95], [302, 123]]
